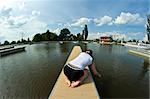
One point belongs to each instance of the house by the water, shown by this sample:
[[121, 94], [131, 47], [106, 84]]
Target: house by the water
[[106, 40]]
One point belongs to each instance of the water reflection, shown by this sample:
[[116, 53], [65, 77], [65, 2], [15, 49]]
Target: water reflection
[[107, 48], [64, 47], [145, 68]]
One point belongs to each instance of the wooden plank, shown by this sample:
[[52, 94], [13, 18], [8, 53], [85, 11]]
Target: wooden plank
[[6, 47], [87, 90]]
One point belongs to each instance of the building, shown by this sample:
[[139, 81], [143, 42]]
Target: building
[[106, 39]]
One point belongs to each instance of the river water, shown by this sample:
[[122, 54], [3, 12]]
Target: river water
[[32, 74]]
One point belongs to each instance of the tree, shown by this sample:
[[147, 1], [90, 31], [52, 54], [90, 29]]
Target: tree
[[45, 37], [64, 34], [37, 38], [129, 41], [6, 43], [18, 41], [134, 40], [79, 37], [13, 42], [148, 27], [28, 40], [83, 34], [53, 36], [86, 32]]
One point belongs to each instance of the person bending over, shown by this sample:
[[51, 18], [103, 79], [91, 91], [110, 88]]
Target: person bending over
[[76, 70]]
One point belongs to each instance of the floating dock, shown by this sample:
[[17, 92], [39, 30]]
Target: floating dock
[[11, 51], [6, 47], [144, 54], [87, 90]]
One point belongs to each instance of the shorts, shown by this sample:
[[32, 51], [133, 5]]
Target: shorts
[[73, 75]]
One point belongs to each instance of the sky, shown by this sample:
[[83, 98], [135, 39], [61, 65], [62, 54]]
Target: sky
[[25, 18]]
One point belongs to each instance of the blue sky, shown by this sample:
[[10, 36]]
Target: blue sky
[[110, 17]]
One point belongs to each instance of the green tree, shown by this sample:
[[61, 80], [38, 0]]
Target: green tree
[[130, 41], [53, 36], [83, 34], [64, 34], [13, 42], [18, 41], [86, 32], [79, 37], [134, 40], [28, 40], [6, 43], [37, 38]]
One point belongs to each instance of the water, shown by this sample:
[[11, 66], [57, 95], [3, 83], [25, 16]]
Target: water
[[32, 74]]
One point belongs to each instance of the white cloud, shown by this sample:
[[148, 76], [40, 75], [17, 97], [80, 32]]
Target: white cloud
[[11, 25], [18, 21], [35, 13], [145, 38], [125, 18], [57, 31], [33, 27], [22, 5], [67, 25], [81, 22], [104, 20], [5, 12], [114, 34]]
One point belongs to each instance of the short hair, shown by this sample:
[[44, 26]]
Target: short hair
[[90, 52]]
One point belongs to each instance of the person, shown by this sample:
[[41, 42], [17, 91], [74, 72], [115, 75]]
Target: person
[[76, 70]]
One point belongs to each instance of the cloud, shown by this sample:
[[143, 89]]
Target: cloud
[[123, 18], [18, 21], [135, 35], [5, 12], [67, 25], [33, 27], [126, 18], [12, 24], [104, 20], [29, 30], [145, 38], [35, 13], [115, 34], [57, 31], [81, 22], [22, 6]]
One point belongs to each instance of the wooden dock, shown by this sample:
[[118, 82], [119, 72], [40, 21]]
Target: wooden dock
[[142, 54], [11, 51], [87, 90], [6, 47]]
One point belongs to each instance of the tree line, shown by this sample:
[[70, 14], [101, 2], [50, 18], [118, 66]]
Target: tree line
[[65, 35]]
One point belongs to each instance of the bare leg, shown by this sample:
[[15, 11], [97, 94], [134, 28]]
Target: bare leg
[[76, 83]]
